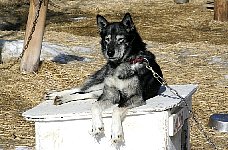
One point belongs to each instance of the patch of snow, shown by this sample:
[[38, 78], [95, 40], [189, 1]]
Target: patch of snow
[[215, 59], [226, 77], [220, 60], [184, 52], [11, 48], [81, 49], [22, 148], [53, 52], [78, 18], [187, 52]]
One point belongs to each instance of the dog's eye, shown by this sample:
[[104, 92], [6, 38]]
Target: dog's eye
[[120, 40], [107, 39]]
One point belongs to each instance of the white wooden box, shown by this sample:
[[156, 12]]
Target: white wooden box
[[161, 124]]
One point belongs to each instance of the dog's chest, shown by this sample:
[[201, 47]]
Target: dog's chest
[[122, 84]]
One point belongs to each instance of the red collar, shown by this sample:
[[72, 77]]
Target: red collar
[[136, 60]]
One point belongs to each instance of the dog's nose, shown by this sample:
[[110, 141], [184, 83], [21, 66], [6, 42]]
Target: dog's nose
[[110, 53]]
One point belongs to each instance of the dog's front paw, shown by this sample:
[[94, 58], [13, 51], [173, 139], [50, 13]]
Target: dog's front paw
[[50, 95], [117, 139], [97, 127], [97, 131], [58, 100], [117, 136], [54, 96], [64, 98]]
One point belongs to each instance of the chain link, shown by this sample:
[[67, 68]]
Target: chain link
[[29, 38], [163, 82]]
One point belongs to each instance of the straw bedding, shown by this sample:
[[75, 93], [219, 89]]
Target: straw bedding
[[190, 46]]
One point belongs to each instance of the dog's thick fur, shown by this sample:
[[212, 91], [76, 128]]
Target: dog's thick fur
[[123, 81]]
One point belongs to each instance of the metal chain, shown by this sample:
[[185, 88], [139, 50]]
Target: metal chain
[[163, 82], [30, 36]]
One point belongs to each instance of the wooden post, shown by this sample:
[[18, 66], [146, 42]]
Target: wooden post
[[31, 57], [221, 10]]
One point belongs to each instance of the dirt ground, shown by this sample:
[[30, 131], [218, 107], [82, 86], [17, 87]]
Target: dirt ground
[[190, 46]]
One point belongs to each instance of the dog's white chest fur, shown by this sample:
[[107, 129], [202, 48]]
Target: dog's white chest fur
[[121, 84]]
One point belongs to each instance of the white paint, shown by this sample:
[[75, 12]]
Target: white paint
[[176, 121], [67, 135], [68, 126]]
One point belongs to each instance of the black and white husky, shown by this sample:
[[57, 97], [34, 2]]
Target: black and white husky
[[124, 81]]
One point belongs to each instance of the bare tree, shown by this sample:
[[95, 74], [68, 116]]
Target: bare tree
[[34, 36]]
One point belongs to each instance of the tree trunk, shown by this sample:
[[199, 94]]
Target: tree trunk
[[221, 10], [31, 56]]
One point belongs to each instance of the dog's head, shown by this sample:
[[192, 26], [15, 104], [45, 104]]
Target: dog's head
[[117, 38]]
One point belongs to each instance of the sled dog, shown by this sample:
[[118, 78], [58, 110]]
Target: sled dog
[[124, 81]]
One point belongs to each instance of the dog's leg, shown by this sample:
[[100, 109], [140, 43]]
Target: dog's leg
[[77, 96], [118, 116], [51, 95], [107, 99], [119, 113], [74, 94], [97, 122]]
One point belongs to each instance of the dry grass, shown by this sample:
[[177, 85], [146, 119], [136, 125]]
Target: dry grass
[[189, 45]]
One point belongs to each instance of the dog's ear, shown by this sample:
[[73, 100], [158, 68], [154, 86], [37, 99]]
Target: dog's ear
[[128, 22], [101, 23]]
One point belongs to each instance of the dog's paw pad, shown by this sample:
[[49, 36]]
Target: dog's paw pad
[[101, 129]]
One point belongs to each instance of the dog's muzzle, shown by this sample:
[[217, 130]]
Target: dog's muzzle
[[110, 53]]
